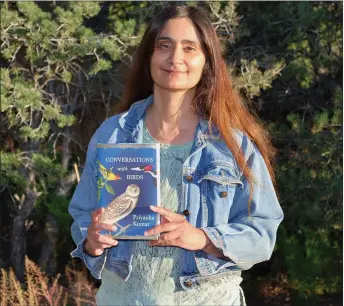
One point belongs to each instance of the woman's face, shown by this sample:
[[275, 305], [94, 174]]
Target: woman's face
[[178, 59]]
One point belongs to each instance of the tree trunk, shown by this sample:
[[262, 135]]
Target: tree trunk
[[18, 246], [66, 154], [47, 259], [19, 232], [67, 183]]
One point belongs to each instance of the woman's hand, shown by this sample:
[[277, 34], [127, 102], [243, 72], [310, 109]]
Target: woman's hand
[[96, 243], [175, 230]]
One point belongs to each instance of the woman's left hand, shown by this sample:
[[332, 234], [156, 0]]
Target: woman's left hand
[[175, 230]]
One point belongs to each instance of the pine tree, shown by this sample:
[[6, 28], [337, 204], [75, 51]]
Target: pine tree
[[50, 58], [303, 109]]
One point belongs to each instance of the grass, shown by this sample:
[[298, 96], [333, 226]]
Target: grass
[[38, 289]]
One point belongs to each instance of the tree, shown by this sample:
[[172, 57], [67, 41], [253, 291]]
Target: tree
[[43, 87], [304, 111]]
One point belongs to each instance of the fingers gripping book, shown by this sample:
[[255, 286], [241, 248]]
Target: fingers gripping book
[[128, 181]]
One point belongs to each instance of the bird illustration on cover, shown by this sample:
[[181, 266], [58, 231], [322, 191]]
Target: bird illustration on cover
[[147, 169], [107, 173], [121, 206]]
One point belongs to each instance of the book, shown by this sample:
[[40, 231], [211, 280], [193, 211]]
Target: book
[[128, 182]]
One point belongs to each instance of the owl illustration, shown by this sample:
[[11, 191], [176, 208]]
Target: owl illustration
[[121, 206]]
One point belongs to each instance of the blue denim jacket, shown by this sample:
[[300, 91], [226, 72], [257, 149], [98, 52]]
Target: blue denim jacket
[[214, 191]]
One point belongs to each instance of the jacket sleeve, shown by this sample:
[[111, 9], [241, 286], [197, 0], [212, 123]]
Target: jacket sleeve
[[83, 202], [248, 239]]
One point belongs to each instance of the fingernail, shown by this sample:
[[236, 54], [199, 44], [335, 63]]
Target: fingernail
[[152, 207], [114, 228], [145, 233]]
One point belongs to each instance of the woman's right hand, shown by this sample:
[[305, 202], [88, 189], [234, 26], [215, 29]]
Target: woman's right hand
[[96, 243]]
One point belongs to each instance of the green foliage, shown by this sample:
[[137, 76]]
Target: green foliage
[[47, 168], [51, 52], [310, 255], [127, 21], [15, 165], [310, 183], [252, 80], [100, 65], [304, 108], [9, 171], [51, 45], [58, 207], [66, 120], [225, 20], [122, 9], [109, 189], [35, 134]]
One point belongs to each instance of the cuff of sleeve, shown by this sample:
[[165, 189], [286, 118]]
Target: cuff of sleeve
[[94, 263], [208, 264], [231, 260]]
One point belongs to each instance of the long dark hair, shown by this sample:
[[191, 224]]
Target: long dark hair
[[214, 100]]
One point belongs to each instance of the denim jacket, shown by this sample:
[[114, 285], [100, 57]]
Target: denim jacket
[[214, 191]]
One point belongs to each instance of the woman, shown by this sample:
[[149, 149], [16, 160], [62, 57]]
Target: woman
[[219, 209]]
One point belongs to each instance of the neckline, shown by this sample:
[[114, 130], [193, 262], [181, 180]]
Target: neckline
[[167, 145]]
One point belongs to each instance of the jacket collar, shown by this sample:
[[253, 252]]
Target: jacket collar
[[130, 121]]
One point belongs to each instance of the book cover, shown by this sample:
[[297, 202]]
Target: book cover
[[128, 183]]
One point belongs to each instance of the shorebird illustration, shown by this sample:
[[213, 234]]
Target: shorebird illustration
[[121, 206], [147, 169]]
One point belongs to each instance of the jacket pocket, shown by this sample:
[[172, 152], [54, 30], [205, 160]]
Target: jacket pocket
[[218, 185], [221, 174]]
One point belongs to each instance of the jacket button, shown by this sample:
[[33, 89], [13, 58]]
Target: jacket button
[[223, 194], [189, 178], [186, 213], [188, 284]]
